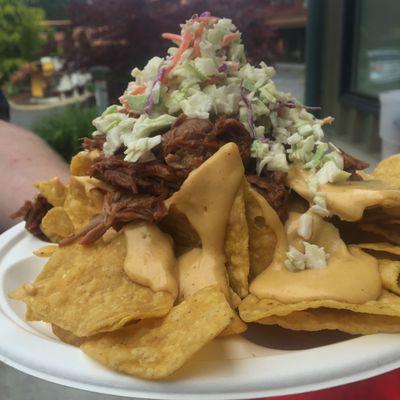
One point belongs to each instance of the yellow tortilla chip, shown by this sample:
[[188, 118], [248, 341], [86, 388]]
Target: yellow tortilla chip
[[84, 290], [262, 239], [81, 162], [84, 199], [156, 348], [237, 246], [343, 320], [390, 275], [45, 251], [388, 171], [253, 309], [67, 337], [383, 247], [53, 190], [56, 224], [236, 326]]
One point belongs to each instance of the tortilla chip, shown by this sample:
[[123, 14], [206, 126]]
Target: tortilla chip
[[262, 239], [236, 327], [381, 250], [390, 275], [45, 251], [388, 171], [342, 320], [387, 231], [53, 190], [237, 246], [84, 200], [84, 290], [156, 348], [56, 224], [67, 337], [253, 309], [81, 162]]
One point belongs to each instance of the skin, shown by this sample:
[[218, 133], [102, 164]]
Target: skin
[[24, 159]]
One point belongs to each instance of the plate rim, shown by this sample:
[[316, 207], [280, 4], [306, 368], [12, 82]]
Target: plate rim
[[362, 373]]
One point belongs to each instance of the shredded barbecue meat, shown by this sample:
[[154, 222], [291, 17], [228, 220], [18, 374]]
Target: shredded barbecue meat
[[94, 144], [352, 164], [154, 177], [119, 209], [272, 187], [33, 212], [192, 140]]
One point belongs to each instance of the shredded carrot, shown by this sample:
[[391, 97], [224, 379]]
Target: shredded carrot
[[124, 102], [139, 89], [187, 39], [328, 120], [228, 38], [196, 43], [208, 20], [177, 39]]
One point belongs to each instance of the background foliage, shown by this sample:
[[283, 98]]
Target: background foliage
[[121, 34], [64, 132], [21, 35]]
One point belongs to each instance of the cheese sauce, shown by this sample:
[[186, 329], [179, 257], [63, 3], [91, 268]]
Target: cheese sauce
[[150, 259], [349, 199], [206, 198], [350, 275]]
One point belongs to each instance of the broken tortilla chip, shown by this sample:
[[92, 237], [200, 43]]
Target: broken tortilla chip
[[236, 246], [236, 326], [262, 238], [84, 290], [388, 171], [156, 348], [67, 337], [342, 320], [82, 161], [84, 199], [56, 224], [253, 309], [53, 190], [45, 251]]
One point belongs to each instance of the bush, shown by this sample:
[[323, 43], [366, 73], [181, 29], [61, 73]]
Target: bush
[[64, 132], [21, 35]]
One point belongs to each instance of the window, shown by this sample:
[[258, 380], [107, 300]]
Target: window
[[377, 56], [371, 56]]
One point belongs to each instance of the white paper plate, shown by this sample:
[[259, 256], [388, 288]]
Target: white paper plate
[[269, 361]]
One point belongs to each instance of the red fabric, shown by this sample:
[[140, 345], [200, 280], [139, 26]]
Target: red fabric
[[383, 387]]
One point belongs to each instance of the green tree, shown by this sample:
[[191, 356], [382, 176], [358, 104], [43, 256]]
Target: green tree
[[21, 35]]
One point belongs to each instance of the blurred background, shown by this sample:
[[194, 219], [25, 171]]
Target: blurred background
[[63, 61]]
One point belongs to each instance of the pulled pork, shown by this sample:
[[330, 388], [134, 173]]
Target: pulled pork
[[141, 188], [272, 187], [94, 144], [33, 212], [191, 141], [119, 209]]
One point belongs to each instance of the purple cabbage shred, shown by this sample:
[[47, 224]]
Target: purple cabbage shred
[[150, 100], [205, 14], [223, 67], [250, 114]]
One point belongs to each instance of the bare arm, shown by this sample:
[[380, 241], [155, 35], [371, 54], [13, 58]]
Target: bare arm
[[24, 160]]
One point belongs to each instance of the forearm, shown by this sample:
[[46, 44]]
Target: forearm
[[24, 160]]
